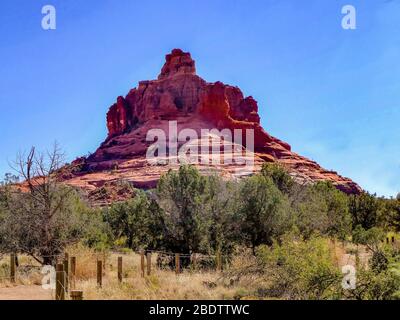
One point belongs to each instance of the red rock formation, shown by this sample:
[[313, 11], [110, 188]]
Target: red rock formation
[[179, 94], [177, 62]]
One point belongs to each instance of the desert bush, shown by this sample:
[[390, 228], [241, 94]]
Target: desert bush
[[301, 269], [292, 268], [372, 285], [371, 238], [379, 262], [380, 279], [96, 233]]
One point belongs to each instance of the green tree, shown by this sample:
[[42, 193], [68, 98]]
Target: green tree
[[279, 175], [133, 219], [96, 233], [220, 214], [371, 238], [337, 209], [264, 211], [389, 213], [364, 210], [180, 194], [396, 215], [321, 208], [310, 212]]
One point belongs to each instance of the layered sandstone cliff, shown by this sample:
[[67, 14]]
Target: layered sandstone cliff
[[179, 94]]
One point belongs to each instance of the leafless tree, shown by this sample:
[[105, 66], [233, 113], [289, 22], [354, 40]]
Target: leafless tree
[[41, 219]]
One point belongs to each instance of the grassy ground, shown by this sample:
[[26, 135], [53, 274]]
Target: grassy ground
[[161, 284]]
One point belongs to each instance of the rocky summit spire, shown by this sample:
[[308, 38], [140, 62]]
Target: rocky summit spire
[[177, 62]]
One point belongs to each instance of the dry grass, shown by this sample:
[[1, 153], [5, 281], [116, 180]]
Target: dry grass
[[28, 272], [161, 284], [345, 254]]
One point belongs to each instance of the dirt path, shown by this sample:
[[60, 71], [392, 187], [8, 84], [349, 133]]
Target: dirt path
[[345, 258], [22, 292]]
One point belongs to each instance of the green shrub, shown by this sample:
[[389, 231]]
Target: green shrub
[[300, 269]]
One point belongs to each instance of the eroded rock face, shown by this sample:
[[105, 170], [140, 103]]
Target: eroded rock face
[[177, 62], [178, 94]]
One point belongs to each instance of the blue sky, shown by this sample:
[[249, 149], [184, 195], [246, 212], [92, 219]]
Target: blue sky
[[333, 94]]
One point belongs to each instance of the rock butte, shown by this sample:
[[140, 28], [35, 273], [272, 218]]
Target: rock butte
[[181, 95]]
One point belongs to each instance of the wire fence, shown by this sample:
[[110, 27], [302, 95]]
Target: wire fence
[[65, 268]]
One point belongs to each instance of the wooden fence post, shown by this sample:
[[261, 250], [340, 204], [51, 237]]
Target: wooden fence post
[[219, 261], [66, 270], [76, 294], [177, 263], [142, 262], [148, 263], [99, 273], [60, 282], [73, 271], [104, 263], [12, 267], [194, 261], [119, 269]]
